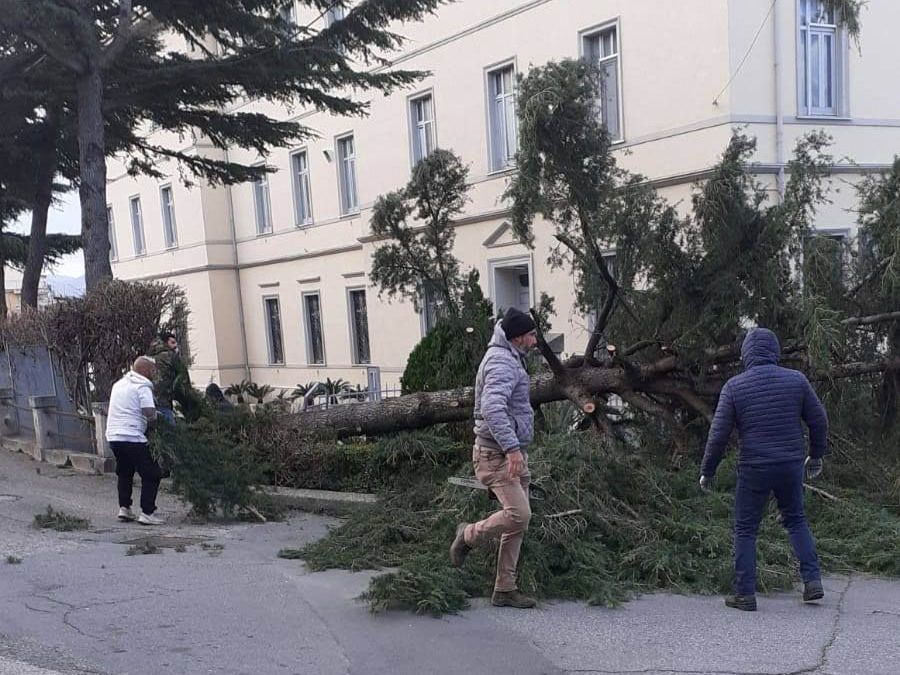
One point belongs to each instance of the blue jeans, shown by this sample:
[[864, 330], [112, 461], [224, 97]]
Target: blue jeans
[[167, 414], [754, 485]]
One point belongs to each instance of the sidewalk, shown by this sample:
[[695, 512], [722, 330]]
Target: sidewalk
[[78, 604]]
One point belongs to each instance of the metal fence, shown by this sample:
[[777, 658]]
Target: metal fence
[[348, 397]]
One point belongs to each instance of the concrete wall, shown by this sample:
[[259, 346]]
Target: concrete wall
[[33, 372]]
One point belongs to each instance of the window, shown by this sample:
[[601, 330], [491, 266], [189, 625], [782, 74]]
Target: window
[[113, 249], [510, 285], [262, 204], [359, 326], [866, 248], [612, 264], [288, 13], [432, 309], [302, 191], [168, 214], [347, 175], [315, 344], [502, 117], [137, 226], [819, 58], [825, 254], [602, 48], [334, 15], [421, 123], [273, 331]]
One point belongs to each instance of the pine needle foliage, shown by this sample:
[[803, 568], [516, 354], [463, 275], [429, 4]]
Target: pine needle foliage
[[631, 526], [211, 469], [59, 521]]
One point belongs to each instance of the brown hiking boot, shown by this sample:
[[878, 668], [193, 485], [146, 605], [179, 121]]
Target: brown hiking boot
[[459, 549], [512, 599]]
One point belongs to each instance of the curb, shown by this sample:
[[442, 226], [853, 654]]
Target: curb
[[326, 502]]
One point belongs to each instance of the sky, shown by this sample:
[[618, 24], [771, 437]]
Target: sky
[[65, 217]]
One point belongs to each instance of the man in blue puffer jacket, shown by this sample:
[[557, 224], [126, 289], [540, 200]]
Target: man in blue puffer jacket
[[767, 404], [504, 426]]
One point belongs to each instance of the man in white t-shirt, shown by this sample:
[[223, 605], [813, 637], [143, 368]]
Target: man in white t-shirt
[[131, 411]]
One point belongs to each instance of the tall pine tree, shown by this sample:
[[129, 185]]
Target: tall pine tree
[[122, 79]]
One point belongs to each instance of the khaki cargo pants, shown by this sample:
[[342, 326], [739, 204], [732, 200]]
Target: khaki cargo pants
[[509, 524]]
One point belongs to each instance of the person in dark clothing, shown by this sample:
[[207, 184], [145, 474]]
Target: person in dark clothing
[[172, 382], [768, 404], [217, 399]]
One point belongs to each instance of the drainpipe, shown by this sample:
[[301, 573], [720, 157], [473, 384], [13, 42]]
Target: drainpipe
[[237, 276], [779, 115]]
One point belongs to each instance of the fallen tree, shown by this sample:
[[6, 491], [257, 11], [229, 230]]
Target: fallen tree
[[671, 295], [639, 385]]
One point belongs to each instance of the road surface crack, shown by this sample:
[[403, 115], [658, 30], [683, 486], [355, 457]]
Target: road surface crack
[[70, 609], [832, 638], [818, 668]]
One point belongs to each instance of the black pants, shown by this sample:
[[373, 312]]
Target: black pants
[[131, 457]]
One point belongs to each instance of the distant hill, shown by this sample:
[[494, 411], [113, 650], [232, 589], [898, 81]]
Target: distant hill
[[66, 287]]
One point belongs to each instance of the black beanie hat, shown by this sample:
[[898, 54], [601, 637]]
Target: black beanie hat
[[516, 323]]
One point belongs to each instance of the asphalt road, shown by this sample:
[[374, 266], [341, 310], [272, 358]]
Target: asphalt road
[[78, 604]]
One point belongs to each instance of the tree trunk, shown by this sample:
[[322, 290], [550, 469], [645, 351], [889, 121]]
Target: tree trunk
[[582, 383], [40, 208], [889, 391], [4, 310], [92, 189]]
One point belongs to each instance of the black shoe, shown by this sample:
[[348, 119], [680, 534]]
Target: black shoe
[[812, 591], [745, 603], [512, 599], [459, 549]]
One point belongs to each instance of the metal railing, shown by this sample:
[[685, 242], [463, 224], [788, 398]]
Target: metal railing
[[344, 398]]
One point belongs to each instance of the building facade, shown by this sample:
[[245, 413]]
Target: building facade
[[13, 291], [276, 271]]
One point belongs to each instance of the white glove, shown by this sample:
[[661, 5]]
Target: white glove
[[813, 467], [706, 483]]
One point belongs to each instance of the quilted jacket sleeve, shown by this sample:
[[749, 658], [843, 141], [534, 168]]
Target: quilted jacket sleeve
[[719, 432], [499, 381], [817, 420]]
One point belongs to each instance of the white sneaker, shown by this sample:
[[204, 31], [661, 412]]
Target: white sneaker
[[126, 515], [144, 519]]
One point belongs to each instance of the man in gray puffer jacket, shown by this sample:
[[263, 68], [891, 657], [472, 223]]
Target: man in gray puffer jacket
[[504, 426]]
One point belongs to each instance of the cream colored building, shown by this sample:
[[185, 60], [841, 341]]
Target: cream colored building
[[13, 291], [276, 272]]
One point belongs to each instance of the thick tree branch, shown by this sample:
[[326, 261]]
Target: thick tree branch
[[600, 327], [552, 359], [129, 29], [857, 369], [611, 297], [645, 404], [686, 394], [640, 346], [63, 58], [871, 319], [871, 276], [568, 242]]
